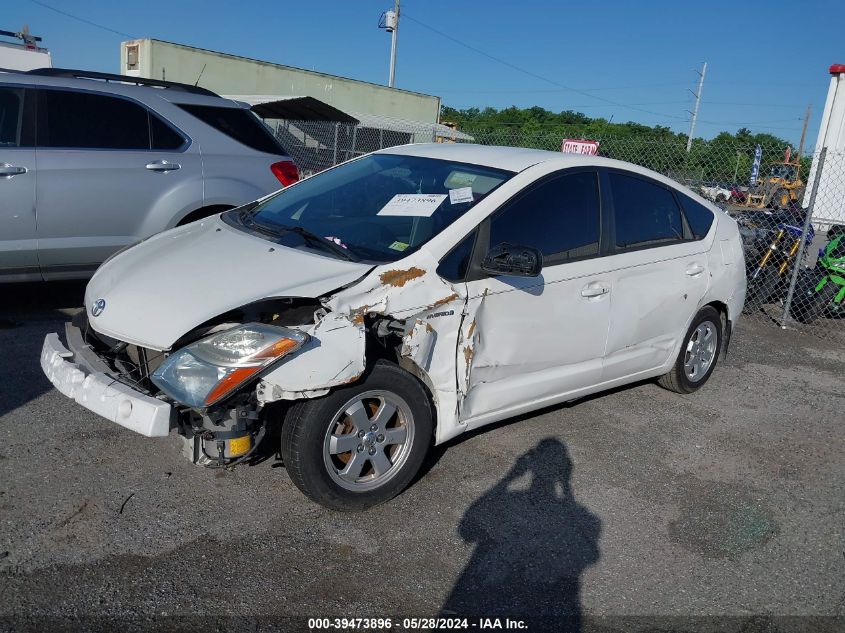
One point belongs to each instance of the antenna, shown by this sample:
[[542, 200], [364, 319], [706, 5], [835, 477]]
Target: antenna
[[196, 83], [24, 35], [694, 113]]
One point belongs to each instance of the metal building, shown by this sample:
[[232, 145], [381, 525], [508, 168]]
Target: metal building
[[234, 75]]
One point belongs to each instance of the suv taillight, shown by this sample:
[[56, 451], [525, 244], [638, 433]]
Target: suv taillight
[[285, 171]]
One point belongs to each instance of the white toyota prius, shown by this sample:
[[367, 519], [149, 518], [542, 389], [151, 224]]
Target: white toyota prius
[[399, 300]]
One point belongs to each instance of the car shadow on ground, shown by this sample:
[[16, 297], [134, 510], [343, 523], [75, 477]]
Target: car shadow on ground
[[27, 313], [23, 303], [533, 541]]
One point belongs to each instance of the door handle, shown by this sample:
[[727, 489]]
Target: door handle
[[694, 270], [594, 289], [163, 165], [11, 170]]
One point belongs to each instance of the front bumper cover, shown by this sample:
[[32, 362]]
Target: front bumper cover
[[77, 374]]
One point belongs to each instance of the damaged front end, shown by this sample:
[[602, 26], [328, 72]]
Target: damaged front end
[[207, 387], [216, 385]]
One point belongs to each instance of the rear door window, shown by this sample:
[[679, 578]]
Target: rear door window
[[645, 212], [162, 136], [71, 119], [239, 124]]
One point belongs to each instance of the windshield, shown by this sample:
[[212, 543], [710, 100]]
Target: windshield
[[379, 208], [783, 171]]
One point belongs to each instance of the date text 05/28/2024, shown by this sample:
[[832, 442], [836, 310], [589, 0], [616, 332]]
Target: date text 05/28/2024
[[436, 624]]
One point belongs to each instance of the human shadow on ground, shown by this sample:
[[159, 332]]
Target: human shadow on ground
[[533, 541]]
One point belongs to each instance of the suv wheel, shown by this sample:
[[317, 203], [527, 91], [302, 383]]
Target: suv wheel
[[699, 353], [360, 445]]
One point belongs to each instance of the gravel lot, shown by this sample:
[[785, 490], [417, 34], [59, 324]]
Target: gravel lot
[[639, 502]]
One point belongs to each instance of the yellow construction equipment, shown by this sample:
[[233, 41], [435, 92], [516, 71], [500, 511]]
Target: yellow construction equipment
[[780, 188]]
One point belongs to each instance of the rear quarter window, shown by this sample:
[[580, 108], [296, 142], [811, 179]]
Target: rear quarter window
[[238, 124], [699, 217]]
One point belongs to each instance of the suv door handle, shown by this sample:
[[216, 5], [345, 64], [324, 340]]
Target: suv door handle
[[694, 270], [594, 289], [11, 170], [163, 165]]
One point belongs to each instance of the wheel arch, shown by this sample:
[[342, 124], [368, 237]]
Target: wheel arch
[[727, 324], [202, 212]]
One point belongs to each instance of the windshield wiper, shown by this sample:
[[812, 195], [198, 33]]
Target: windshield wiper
[[318, 240], [247, 218]]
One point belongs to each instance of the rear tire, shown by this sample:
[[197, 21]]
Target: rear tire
[[360, 445], [808, 305], [699, 353]]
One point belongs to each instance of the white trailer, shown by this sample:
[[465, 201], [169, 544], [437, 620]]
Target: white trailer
[[829, 204]]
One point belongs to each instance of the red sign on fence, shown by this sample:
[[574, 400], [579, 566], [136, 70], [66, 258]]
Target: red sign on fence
[[573, 146]]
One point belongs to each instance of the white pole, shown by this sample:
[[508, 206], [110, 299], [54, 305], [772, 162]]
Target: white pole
[[697, 103], [393, 37]]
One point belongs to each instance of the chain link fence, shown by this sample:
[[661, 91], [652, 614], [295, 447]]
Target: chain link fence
[[790, 209]]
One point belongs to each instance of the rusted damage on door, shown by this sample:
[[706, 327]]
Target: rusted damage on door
[[436, 337]]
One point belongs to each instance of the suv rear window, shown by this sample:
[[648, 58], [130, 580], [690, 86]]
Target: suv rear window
[[239, 124]]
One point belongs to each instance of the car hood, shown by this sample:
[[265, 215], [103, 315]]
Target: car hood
[[157, 291]]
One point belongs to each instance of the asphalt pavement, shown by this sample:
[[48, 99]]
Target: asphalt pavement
[[635, 503]]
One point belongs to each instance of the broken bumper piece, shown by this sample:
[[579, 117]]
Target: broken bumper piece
[[101, 393]]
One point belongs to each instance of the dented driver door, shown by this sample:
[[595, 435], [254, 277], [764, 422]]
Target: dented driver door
[[529, 341]]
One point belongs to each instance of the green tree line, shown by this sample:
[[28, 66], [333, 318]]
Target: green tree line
[[725, 158]]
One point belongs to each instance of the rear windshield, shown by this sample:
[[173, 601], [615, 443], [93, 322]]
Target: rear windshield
[[239, 124]]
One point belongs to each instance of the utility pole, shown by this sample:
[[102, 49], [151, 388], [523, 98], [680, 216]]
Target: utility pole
[[393, 38], [697, 104], [804, 131]]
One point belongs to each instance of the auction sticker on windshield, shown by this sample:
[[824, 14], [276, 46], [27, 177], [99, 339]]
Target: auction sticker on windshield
[[413, 204], [459, 196]]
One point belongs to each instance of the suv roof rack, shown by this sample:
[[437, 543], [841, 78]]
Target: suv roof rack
[[140, 81]]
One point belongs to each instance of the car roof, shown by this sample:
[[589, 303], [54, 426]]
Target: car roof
[[520, 158], [509, 158], [114, 86]]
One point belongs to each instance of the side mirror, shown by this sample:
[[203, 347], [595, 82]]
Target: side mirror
[[513, 259]]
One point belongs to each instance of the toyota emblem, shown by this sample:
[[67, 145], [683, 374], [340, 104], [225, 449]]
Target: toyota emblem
[[98, 307]]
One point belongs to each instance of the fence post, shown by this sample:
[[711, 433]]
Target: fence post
[[334, 158], [800, 254], [354, 139]]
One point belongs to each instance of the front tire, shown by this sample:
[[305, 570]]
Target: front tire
[[808, 305], [361, 445], [699, 353]]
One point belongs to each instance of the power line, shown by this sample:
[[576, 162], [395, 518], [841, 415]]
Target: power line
[[535, 75], [79, 19]]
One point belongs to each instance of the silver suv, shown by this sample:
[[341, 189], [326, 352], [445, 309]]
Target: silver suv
[[93, 162]]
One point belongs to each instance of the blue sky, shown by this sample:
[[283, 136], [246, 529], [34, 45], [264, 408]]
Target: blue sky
[[767, 60]]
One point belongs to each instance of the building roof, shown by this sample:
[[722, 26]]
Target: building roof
[[405, 125], [293, 108]]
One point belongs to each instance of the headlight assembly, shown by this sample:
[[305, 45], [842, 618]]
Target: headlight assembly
[[205, 372]]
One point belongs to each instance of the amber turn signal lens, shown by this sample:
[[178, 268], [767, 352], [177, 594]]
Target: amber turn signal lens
[[229, 382]]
